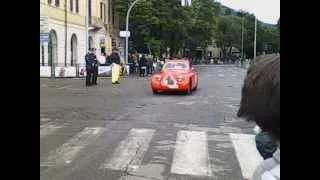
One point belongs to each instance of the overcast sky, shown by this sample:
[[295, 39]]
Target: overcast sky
[[267, 11]]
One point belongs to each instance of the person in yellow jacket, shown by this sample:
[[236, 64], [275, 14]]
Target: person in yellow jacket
[[115, 60]]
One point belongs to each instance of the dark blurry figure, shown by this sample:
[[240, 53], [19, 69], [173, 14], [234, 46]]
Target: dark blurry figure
[[142, 65], [266, 145], [260, 102], [89, 58], [95, 68], [115, 60]]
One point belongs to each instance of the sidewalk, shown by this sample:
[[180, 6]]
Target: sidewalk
[[131, 76]]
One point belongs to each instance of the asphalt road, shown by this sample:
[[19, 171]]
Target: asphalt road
[[125, 132]]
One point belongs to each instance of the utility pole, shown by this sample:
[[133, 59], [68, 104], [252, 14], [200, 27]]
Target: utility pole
[[242, 36], [87, 25], [127, 27], [127, 30], [65, 33], [255, 39]]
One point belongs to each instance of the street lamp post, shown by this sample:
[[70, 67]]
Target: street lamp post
[[127, 29], [242, 38], [87, 26], [255, 39]]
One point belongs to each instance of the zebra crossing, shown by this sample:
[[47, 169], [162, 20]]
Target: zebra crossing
[[190, 151]]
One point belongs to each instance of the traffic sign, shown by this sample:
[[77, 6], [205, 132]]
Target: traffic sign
[[124, 33], [186, 2], [44, 37]]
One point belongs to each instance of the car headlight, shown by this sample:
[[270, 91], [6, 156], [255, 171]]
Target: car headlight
[[180, 77], [157, 77]]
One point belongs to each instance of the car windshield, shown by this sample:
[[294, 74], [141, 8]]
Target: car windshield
[[176, 66]]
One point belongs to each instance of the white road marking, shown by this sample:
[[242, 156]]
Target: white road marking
[[63, 87], [45, 119], [66, 153], [48, 129], [247, 153], [186, 103], [130, 152], [191, 154], [74, 89]]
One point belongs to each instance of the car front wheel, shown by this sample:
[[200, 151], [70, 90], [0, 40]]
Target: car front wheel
[[189, 90]]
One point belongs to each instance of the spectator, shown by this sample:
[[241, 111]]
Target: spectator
[[265, 143], [149, 65], [90, 59], [260, 102], [116, 68], [143, 65]]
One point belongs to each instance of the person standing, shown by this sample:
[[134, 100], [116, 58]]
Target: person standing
[[95, 68], [130, 63], [115, 60], [149, 65], [143, 65], [89, 58]]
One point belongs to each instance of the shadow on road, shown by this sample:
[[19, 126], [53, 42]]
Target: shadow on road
[[174, 93]]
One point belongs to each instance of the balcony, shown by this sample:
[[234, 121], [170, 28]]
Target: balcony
[[96, 23]]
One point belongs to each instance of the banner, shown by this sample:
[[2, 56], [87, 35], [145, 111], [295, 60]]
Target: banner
[[104, 70], [65, 72], [82, 71], [45, 71]]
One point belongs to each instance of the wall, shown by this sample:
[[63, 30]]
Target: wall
[[79, 31]]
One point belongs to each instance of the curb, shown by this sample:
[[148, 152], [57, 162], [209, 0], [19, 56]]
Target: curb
[[104, 77]]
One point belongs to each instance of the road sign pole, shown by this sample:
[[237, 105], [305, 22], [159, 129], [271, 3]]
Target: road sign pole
[[127, 26], [87, 26], [255, 39], [127, 30]]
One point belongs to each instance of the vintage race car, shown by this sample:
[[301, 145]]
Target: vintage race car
[[176, 75]]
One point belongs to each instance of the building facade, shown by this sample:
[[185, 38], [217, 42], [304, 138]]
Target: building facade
[[66, 46]]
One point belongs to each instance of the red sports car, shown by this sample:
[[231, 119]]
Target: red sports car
[[176, 75]]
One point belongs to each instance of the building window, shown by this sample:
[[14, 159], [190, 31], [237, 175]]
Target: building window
[[104, 13], [113, 10], [109, 11], [77, 6], [101, 11], [57, 3], [54, 3], [71, 5], [42, 54], [89, 11]]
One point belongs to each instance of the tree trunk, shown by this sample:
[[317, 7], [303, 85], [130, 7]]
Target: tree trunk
[[173, 52], [223, 49], [230, 52]]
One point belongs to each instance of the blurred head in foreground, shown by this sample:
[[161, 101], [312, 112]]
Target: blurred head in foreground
[[260, 101]]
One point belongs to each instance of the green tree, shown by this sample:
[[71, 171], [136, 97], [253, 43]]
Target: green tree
[[228, 12], [165, 23], [228, 34], [205, 15]]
